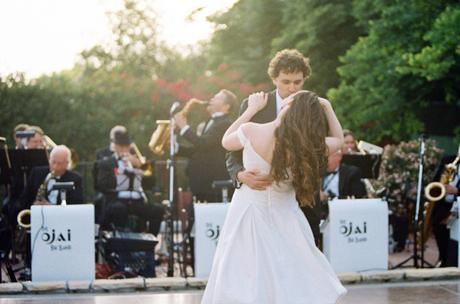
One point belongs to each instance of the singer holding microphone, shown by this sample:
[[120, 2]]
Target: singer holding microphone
[[204, 152]]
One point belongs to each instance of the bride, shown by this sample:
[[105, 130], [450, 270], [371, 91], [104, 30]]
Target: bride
[[266, 252]]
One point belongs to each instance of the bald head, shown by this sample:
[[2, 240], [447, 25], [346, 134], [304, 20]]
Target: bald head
[[333, 161], [59, 160]]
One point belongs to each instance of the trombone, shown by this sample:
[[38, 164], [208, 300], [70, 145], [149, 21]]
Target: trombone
[[146, 166]]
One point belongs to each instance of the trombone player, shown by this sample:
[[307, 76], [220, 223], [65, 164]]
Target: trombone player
[[120, 183]]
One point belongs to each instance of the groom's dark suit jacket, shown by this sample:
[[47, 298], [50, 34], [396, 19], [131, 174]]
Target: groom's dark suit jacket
[[234, 160]]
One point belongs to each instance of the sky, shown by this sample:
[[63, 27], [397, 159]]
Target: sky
[[44, 36]]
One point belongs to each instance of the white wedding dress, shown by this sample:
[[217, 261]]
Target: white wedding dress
[[266, 252]]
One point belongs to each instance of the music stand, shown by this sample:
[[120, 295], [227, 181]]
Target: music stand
[[22, 161], [369, 164], [62, 187]]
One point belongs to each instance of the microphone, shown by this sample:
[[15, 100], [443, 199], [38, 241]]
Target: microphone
[[174, 108]]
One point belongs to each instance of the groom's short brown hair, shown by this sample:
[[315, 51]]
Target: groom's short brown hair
[[289, 61]]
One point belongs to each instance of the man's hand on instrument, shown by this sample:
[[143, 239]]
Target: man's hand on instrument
[[254, 180], [42, 203], [181, 120], [451, 189]]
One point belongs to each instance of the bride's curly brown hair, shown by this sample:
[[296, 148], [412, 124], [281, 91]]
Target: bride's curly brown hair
[[300, 148]]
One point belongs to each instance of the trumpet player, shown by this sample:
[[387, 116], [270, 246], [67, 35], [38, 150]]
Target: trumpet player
[[205, 153], [38, 189], [120, 183], [448, 249]]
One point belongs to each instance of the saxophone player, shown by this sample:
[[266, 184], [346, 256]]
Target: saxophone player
[[205, 153], [448, 249], [38, 189]]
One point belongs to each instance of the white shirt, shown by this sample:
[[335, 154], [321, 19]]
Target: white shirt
[[279, 102], [52, 194], [450, 197], [331, 183]]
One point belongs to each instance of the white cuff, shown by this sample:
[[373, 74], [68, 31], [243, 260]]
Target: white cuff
[[184, 129]]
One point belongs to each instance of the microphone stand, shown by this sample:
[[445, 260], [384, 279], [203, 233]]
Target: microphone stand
[[170, 164], [415, 256]]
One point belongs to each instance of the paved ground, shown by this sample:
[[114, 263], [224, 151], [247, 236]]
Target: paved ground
[[441, 292]]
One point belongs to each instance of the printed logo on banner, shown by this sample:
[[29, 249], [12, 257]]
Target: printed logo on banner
[[57, 240], [212, 232], [354, 232]]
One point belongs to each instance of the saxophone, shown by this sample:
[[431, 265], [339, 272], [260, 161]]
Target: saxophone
[[436, 191], [39, 198], [160, 137]]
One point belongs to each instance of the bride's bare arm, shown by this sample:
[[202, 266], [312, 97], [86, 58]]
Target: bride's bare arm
[[335, 139], [256, 102]]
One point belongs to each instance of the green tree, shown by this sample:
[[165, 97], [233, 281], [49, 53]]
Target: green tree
[[243, 38], [323, 31], [382, 93]]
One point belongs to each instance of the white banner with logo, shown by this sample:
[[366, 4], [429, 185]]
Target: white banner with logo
[[355, 237], [62, 243], [209, 219]]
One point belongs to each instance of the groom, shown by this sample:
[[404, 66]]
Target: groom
[[288, 70]]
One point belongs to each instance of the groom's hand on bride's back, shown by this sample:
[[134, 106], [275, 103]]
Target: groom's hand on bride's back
[[254, 180]]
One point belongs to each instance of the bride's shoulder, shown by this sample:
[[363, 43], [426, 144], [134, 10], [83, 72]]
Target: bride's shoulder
[[250, 128]]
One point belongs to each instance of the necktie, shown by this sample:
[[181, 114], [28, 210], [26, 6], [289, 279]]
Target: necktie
[[208, 125]]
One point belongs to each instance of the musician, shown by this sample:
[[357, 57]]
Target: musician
[[56, 172], [350, 146], [17, 139], [448, 249], [36, 141], [109, 150], [206, 154], [341, 180], [12, 204], [121, 184]]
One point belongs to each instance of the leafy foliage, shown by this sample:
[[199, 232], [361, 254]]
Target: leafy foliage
[[383, 93]]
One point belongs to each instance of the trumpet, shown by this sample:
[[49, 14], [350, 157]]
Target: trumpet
[[160, 137]]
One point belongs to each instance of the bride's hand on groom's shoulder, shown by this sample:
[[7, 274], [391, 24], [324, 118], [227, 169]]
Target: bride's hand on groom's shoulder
[[257, 101]]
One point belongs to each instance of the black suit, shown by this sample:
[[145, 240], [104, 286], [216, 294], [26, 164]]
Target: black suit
[[206, 159], [447, 248], [104, 152], [234, 159], [37, 177]]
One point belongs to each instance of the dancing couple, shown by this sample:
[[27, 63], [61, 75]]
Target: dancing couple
[[266, 252]]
